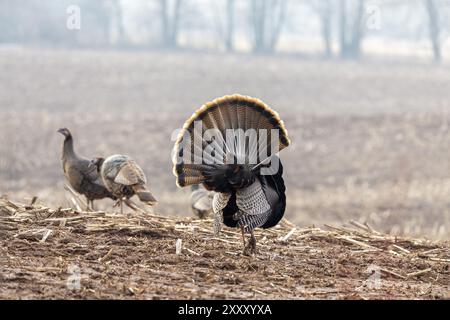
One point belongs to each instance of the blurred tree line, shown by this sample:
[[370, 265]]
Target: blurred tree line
[[343, 24]]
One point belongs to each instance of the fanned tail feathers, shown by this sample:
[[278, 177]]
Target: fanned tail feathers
[[206, 141]]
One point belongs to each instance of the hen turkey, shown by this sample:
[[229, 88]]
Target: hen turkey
[[201, 201], [230, 145], [124, 178], [81, 176]]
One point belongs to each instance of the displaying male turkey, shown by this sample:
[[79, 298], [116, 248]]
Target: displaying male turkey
[[83, 178], [201, 201], [124, 178], [229, 145]]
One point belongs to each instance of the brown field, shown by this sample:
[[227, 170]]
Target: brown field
[[370, 144], [54, 254]]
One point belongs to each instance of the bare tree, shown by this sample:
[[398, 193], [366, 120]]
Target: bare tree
[[117, 12], [324, 10], [351, 29], [229, 36], [434, 28], [268, 18], [170, 22], [43, 22]]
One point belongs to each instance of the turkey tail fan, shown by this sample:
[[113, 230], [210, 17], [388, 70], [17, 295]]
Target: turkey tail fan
[[223, 131]]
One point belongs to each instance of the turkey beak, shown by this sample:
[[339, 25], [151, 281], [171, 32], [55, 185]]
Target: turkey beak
[[63, 131]]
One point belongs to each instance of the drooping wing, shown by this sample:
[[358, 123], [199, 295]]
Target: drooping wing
[[264, 202], [219, 204], [252, 200], [275, 191]]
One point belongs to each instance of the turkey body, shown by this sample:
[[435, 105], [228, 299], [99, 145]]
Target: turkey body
[[230, 146], [124, 178], [267, 197], [82, 177], [201, 201]]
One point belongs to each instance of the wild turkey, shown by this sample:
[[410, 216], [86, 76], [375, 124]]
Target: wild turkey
[[229, 145], [201, 201], [81, 176], [124, 178]]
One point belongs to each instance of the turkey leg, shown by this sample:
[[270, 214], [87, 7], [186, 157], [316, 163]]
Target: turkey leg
[[250, 248], [88, 207], [243, 235]]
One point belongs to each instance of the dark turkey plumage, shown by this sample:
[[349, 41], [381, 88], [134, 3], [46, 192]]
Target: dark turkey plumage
[[230, 146], [82, 177]]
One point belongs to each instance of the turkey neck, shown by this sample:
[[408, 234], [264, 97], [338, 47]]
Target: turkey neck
[[68, 152]]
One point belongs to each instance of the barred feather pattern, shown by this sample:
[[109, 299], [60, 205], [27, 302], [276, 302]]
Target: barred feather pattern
[[253, 204], [250, 222], [220, 201], [252, 200], [254, 209]]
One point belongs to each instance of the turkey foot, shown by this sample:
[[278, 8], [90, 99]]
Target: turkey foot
[[250, 248], [90, 206]]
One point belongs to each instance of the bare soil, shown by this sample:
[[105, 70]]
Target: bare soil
[[64, 254]]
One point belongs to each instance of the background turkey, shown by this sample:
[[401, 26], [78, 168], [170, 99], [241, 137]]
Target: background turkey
[[124, 178], [201, 201], [83, 178], [228, 145]]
